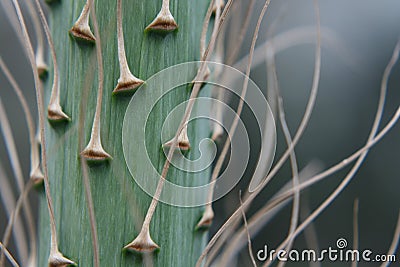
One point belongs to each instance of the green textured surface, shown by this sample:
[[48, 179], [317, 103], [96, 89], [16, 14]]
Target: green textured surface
[[120, 205]]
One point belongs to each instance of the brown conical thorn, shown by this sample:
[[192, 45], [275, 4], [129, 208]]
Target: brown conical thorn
[[183, 140], [207, 218], [127, 84], [164, 21], [218, 4], [81, 28], [143, 242], [55, 113], [56, 259], [94, 151], [127, 81]]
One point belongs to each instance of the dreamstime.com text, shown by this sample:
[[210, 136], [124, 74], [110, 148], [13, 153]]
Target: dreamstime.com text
[[339, 254]]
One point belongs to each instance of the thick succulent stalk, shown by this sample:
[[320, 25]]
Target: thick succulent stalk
[[119, 203]]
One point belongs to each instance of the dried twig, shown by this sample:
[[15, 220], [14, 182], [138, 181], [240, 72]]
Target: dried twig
[[247, 230], [9, 256]]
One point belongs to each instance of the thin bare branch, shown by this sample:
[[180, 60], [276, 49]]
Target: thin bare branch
[[247, 231], [310, 233], [9, 256], [293, 161]]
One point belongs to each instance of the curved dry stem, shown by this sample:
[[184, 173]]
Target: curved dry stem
[[53, 234], [9, 256], [94, 150], [232, 129], [247, 231], [150, 212], [395, 242], [81, 29], [127, 81], [310, 233], [35, 171], [164, 21], [293, 163], [360, 160], [54, 110], [39, 57]]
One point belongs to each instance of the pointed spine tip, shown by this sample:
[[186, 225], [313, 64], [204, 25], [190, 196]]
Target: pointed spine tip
[[142, 245], [125, 87], [82, 34], [55, 114], [163, 23], [95, 154], [58, 260]]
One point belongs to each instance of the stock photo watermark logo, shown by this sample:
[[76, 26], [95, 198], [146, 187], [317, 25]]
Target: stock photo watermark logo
[[179, 77], [339, 253]]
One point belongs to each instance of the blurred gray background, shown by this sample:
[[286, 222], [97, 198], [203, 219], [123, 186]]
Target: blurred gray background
[[347, 100]]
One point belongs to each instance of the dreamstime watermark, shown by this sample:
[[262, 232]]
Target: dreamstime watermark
[[138, 126], [339, 253]]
